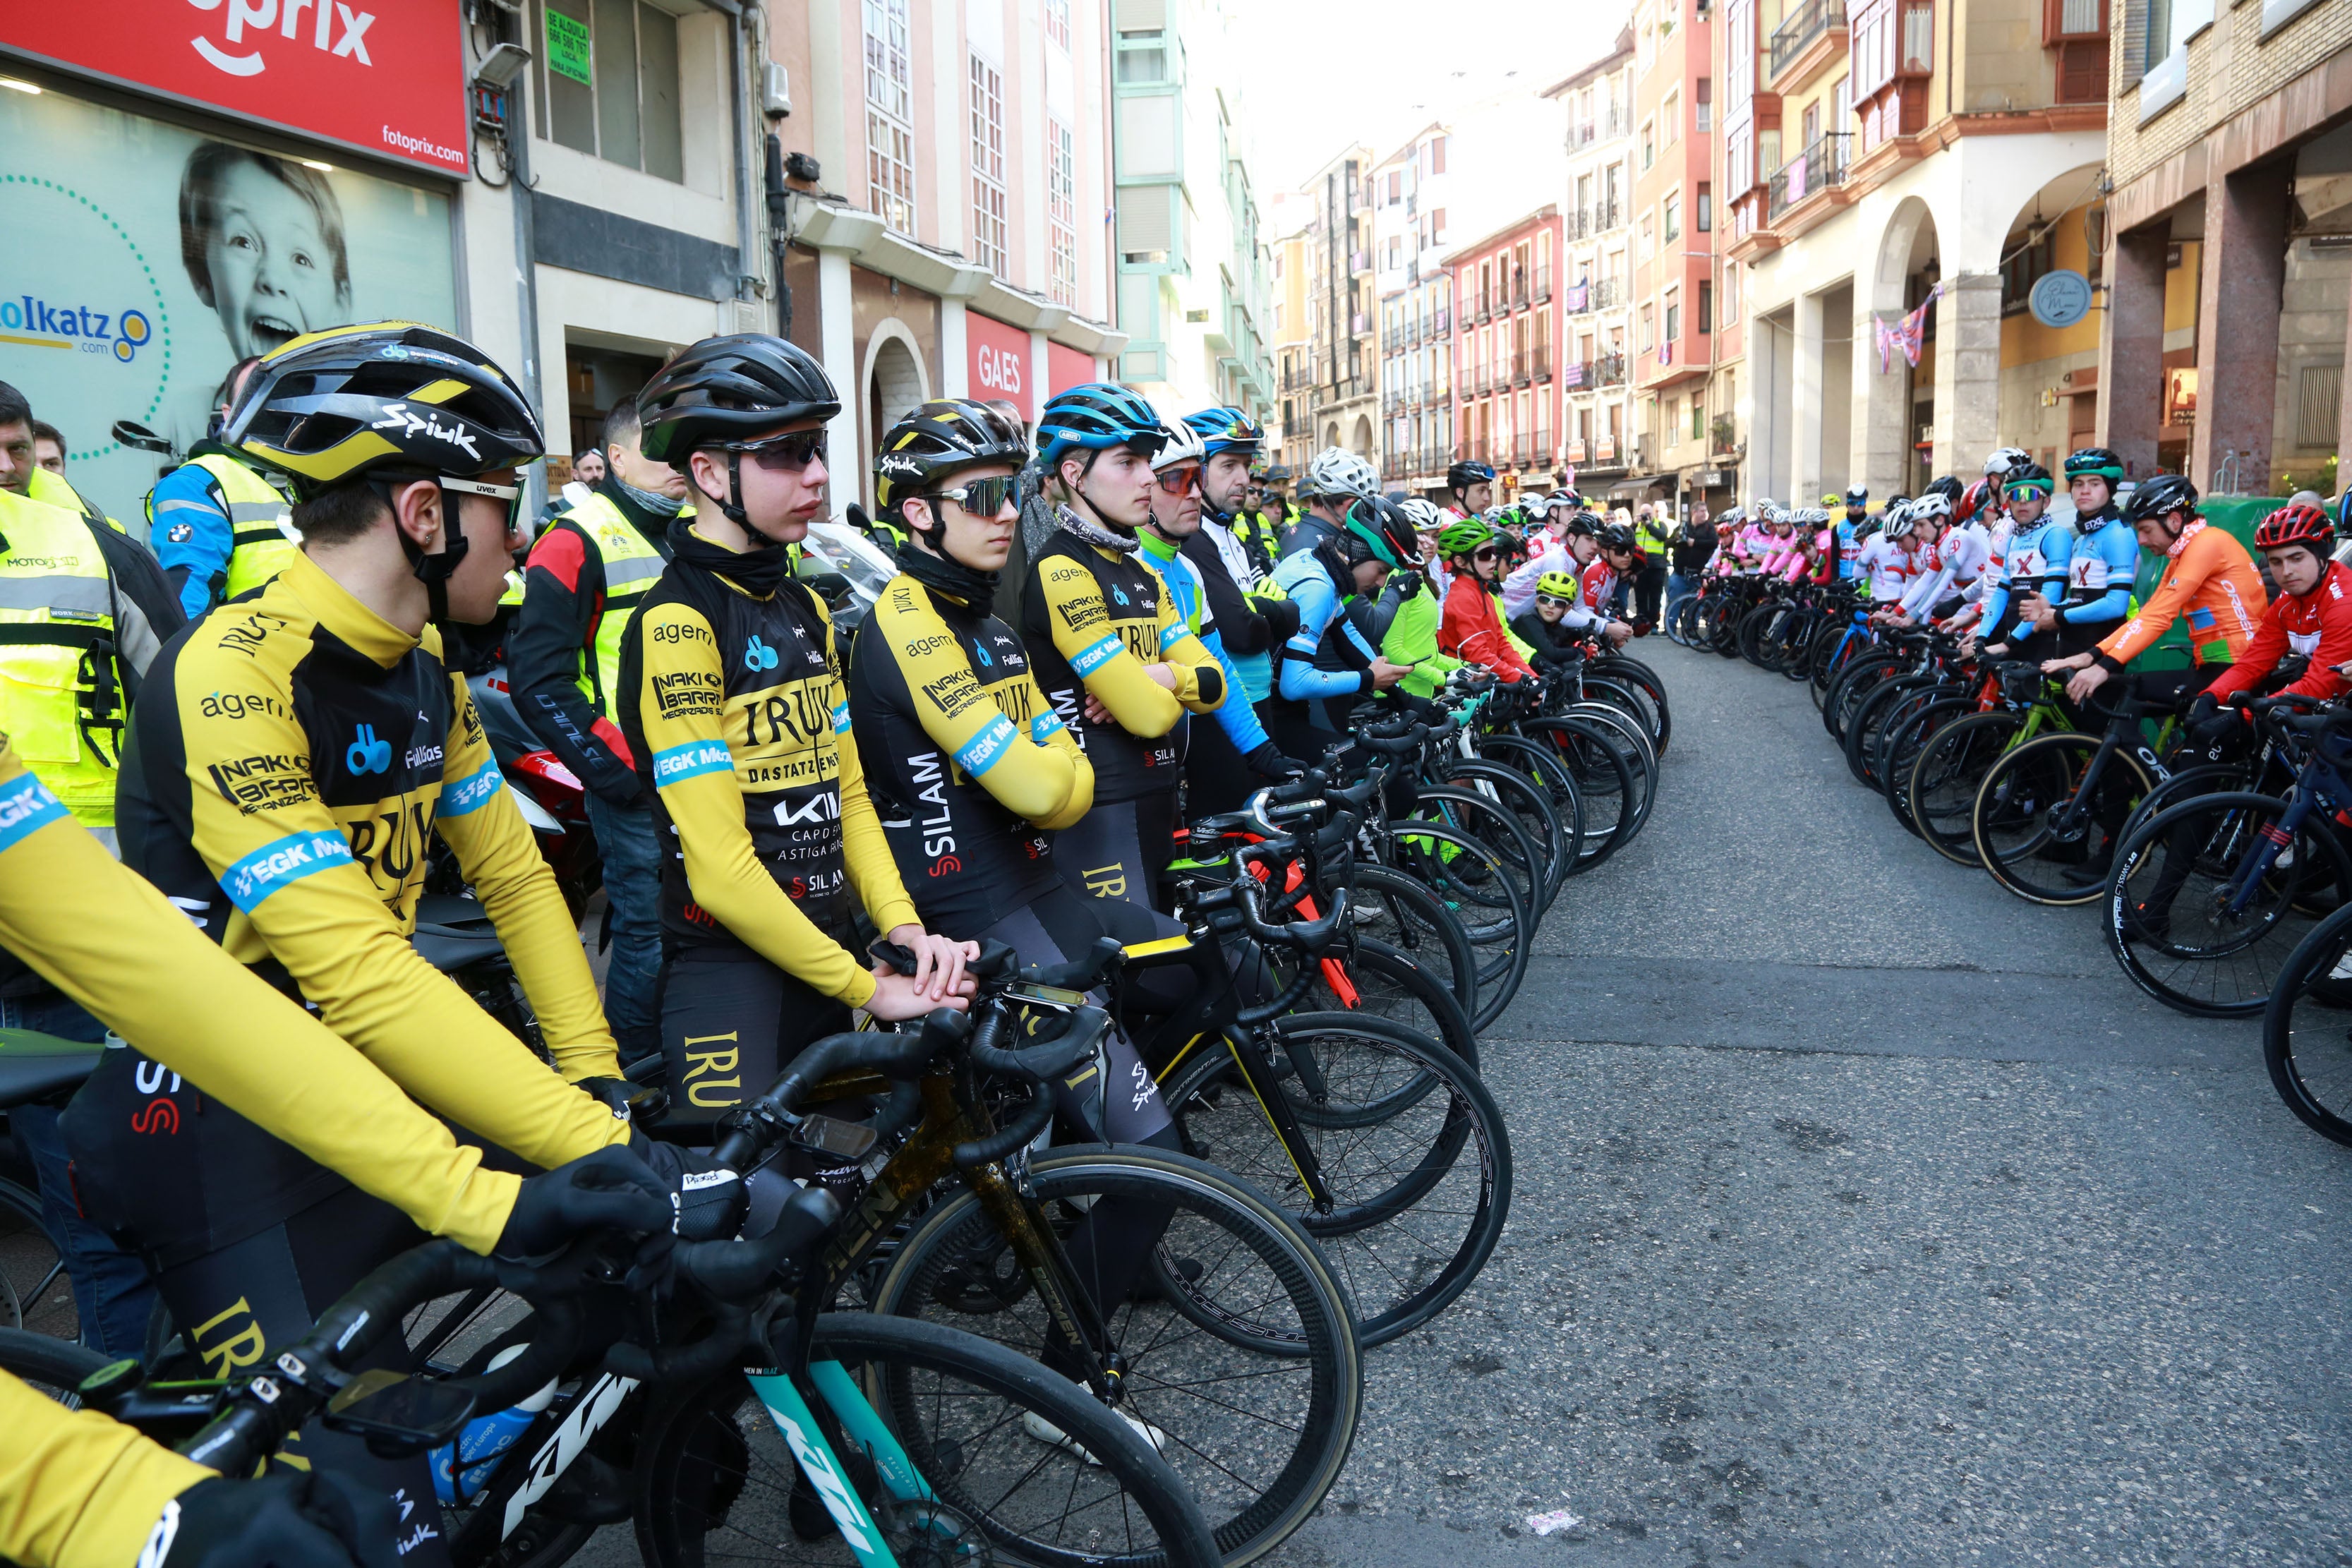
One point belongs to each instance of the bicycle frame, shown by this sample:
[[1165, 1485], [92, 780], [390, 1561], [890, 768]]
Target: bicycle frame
[[2319, 785], [781, 1394]]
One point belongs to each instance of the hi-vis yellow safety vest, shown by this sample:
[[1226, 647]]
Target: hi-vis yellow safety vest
[[632, 566], [61, 700]]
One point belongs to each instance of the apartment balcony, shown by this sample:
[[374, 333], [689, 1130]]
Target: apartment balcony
[[1542, 447], [1818, 168], [1576, 225], [1609, 370], [1723, 435], [1518, 291], [1484, 310], [1392, 403], [1539, 362], [1609, 216], [1607, 294], [1473, 382], [1802, 28], [1521, 373], [1541, 290], [1441, 324], [1359, 261]]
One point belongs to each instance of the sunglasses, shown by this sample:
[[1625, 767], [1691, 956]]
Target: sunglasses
[[787, 454], [1176, 481], [1555, 599], [510, 494], [1485, 553], [980, 498]]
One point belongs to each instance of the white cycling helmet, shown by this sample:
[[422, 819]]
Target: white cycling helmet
[[1935, 503], [1899, 519], [1423, 514], [1335, 472], [1183, 446], [2005, 459]]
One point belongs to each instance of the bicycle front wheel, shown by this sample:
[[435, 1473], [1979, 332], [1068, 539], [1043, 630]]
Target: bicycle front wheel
[[2040, 833], [1410, 1145], [2307, 1030], [716, 1483], [2194, 925], [1238, 1344]]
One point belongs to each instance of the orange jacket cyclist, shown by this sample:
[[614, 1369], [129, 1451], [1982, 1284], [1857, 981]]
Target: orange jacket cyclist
[[2208, 581], [735, 713]]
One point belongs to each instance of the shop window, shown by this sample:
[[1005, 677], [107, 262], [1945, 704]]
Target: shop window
[[608, 83]]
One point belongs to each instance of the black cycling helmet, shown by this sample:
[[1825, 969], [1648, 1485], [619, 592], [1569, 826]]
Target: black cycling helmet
[[2028, 475], [1866, 527], [333, 406], [943, 436], [2160, 496], [731, 392], [1381, 529], [1947, 487], [1615, 536], [2097, 463], [1462, 475], [1582, 522]]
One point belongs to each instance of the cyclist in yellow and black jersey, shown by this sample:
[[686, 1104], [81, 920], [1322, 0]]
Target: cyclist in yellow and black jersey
[[77, 1490], [733, 707], [1111, 652], [289, 760], [969, 764]]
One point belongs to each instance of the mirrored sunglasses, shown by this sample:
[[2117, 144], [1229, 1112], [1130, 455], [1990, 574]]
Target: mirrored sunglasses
[[1485, 553], [1176, 481], [510, 494], [787, 454], [981, 498], [1555, 599]]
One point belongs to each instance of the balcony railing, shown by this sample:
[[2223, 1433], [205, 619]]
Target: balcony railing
[[1441, 323], [1805, 24], [1578, 224], [1607, 294], [1521, 372], [1518, 291], [1359, 261], [1539, 362], [1814, 170], [1576, 299], [1607, 216], [1541, 291], [1485, 308]]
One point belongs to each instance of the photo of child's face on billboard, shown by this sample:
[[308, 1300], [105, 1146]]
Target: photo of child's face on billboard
[[262, 238]]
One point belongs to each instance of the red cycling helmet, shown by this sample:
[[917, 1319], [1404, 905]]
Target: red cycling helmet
[[2305, 525], [1972, 500]]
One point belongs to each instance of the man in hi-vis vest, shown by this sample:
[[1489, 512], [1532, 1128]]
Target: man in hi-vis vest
[[581, 587]]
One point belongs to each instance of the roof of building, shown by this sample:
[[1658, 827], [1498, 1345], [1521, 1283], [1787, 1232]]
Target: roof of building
[[1549, 210], [1618, 52]]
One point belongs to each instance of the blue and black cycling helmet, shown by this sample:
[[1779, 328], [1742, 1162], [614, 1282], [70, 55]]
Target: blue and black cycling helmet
[[2028, 476], [1462, 475], [1095, 417], [1227, 430], [2094, 463]]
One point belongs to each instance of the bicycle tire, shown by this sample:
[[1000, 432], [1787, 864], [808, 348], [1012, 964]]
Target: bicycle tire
[[1414, 848], [1307, 1367], [1633, 746], [1942, 791], [2010, 820], [1547, 773], [1393, 1294], [1533, 806], [2224, 966], [1899, 753], [1604, 782], [1390, 908], [695, 1432], [1495, 825], [53, 1366], [2307, 1030]]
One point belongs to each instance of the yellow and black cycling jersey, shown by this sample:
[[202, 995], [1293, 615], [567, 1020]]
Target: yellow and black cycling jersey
[[967, 764], [1092, 619], [734, 715], [289, 760]]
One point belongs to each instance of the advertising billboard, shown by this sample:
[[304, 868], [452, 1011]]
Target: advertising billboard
[[145, 259], [390, 79]]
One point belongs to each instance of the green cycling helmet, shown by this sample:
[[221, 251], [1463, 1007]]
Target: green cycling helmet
[[1555, 585], [1462, 538]]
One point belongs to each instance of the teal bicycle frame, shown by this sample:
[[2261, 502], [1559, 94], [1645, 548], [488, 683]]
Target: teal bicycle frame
[[781, 1395]]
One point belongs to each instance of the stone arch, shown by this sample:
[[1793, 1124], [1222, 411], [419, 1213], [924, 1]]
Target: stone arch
[[1886, 408], [895, 380], [1332, 435], [1361, 444]]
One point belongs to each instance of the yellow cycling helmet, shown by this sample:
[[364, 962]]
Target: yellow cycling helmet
[[1555, 585]]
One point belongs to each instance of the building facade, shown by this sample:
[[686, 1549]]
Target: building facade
[[1677, 390], [1410, 216], [1508, 350], [1194, 308], [1343, 397], [1290, 437], [1596, 279], [1909, 159], [2227, 242], [934, 169]]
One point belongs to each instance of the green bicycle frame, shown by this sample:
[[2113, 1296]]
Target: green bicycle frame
[[781, 1396]]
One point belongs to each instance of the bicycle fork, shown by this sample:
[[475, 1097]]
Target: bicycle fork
[[779, 1394]]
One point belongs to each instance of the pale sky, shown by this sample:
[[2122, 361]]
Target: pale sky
[[1317, 74]]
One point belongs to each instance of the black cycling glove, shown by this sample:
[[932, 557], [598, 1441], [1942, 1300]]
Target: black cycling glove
[[630, 1103], [612, 1189], [1281, 616], [1266, 761], [289, 1518], [711, 1199]]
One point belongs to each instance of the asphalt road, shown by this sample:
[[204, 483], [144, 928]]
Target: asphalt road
[[1864, 1214]]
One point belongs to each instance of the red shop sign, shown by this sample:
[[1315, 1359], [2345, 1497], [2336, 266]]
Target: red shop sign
[[1000, 363], [383, 75], [1068, 367]]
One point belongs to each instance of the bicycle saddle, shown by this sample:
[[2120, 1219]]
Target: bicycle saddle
[[452, 933]]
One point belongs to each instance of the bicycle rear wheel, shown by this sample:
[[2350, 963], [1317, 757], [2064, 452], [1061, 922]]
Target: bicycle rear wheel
[[716, 1483], [1469, 879], [2034, 836], [1384, 905], [1233, 1298], [1950, 769], [1409, 1141]]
